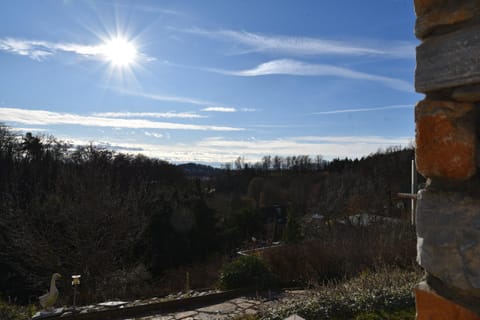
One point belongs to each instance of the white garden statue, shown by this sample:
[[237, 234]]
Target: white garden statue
[[48, 299]]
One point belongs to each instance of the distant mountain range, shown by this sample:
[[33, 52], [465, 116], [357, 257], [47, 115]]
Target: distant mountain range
[[195, 170]]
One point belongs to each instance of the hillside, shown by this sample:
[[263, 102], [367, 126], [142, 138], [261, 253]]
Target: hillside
[[132, 220]]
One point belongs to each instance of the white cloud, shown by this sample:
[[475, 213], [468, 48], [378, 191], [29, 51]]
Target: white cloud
[[214, 106], [32, 49], [31, 129], [298, 68], [135, 6], [401, 106], [166, 98], [329, 147], [283, 126], [220, 150], [356, 139], [309, 46], [183, 115], [219, 109], [154, 134], [43, 117], [39, 50]]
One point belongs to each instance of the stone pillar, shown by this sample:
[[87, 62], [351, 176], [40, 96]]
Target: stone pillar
[[447, 131]]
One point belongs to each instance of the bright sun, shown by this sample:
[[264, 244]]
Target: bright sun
[[119, 52]]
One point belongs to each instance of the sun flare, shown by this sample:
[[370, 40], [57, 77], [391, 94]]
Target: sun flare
[[120, 52]]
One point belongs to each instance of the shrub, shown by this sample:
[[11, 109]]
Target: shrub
[[384, 294], [293, 229], [12, 312], [408, 314], [343, 251], [246, 271]]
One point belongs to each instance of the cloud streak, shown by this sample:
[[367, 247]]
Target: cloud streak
[[154, 134], [40, 50], [214, 106], [181, 115], [145, 8], [219, 109], [298, 68], [219, 150], [330, 146], [281, 44], [43, 117], [401, 106], [166, 98], [35, 50]]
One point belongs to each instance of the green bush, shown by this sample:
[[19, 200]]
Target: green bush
[[246, 271]]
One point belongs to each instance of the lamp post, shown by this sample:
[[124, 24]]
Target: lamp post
[[75, 284]]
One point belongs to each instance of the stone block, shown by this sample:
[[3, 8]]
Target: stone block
[[467, 93], [445, 139], [432, 306], [432, 14], [447, 61], [422, 7], [448, 237]]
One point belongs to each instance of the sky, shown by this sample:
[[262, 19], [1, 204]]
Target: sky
[[209, 81]]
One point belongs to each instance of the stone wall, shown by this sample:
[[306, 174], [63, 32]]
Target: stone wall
[[447, 134]]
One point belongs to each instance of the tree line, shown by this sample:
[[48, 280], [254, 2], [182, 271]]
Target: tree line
[[93, 211]]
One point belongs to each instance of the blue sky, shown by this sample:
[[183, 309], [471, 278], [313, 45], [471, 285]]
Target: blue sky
[[209, 81]]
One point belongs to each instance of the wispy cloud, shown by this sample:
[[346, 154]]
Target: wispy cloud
[[40, 50], [166, 98], [214, 106], [33, 49], [154, 134], [298, 68], [377, 140], [181, 115], [31, 129], [287, 145], [329, 147], [104, 143], [220, 150], [401, 106], [308, 46], [219, 109], [228, 109], [145, 8], [43, 117]]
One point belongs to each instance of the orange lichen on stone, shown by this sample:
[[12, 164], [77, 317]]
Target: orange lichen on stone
[[424, 6], [431, 306], [445, 139], [434, 13]]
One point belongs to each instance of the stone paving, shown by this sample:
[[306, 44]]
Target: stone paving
[[225, 310], [233, 308], [229, 309]]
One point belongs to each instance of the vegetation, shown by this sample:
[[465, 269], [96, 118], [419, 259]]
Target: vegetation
[[13, 312], [135, 226], [245, 272], [382, 294], [343, 251], [90, 211]]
